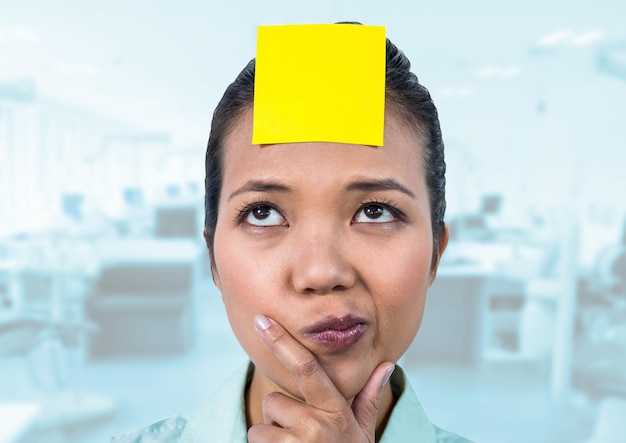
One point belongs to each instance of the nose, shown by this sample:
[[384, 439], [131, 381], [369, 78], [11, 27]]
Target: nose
[[320, 263]]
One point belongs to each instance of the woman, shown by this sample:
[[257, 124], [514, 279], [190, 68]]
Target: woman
[[323, 253]]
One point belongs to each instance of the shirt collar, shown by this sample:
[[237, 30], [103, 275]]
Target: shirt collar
[[408, 420], [222, 415]]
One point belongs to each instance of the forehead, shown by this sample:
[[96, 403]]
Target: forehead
[[399, 157]]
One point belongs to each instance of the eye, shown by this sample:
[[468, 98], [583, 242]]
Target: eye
[[263, 215], [374, 213]]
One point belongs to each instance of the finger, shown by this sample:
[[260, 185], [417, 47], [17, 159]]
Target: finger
[[279, 409], [263, 433], [315, 386], [366, 403]]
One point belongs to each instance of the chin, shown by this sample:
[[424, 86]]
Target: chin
[[349, 377]]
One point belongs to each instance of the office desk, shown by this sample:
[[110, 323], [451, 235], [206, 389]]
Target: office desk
[[142, 300], [455, 324]]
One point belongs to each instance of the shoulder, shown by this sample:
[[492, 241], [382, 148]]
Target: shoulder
[[408, 420], [443, 436], [220, 417], [168, 430]]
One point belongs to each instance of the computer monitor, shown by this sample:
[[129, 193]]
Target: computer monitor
[[491, 204], [177, 222], [133, 197], [72, 205]]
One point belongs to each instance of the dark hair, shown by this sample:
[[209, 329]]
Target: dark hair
[[404, 95]]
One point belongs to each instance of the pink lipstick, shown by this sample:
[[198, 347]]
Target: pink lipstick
[[337, 333]]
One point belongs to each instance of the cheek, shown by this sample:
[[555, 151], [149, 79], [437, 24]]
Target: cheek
[[403, 282], [250, 284], [246, 282]]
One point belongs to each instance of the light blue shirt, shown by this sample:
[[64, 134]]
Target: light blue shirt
[[221, 418]]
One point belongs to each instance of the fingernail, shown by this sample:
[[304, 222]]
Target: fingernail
[[388, 375], [261, 322]]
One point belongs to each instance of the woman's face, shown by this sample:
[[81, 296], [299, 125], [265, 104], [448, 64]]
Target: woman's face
[[333, 241]]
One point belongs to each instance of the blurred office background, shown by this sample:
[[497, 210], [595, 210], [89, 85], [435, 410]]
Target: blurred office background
[[108, 317]]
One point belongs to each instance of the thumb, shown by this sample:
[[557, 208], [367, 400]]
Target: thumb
[[366, 403]]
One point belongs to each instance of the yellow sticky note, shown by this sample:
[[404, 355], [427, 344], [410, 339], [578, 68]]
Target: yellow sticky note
[[320, 83]]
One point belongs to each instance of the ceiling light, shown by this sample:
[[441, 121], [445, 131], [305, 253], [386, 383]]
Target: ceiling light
[[553, 39], [587, 38]]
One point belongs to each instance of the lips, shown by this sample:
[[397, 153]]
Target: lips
[[337, 333]]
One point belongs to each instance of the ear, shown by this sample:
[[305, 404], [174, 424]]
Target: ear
[[208, 239], [438, 250], [215, 275]]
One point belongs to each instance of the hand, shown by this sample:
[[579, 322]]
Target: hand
[[324, 415]]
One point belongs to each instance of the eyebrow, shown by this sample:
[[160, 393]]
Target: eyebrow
[[387, 184], [259, 186]]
